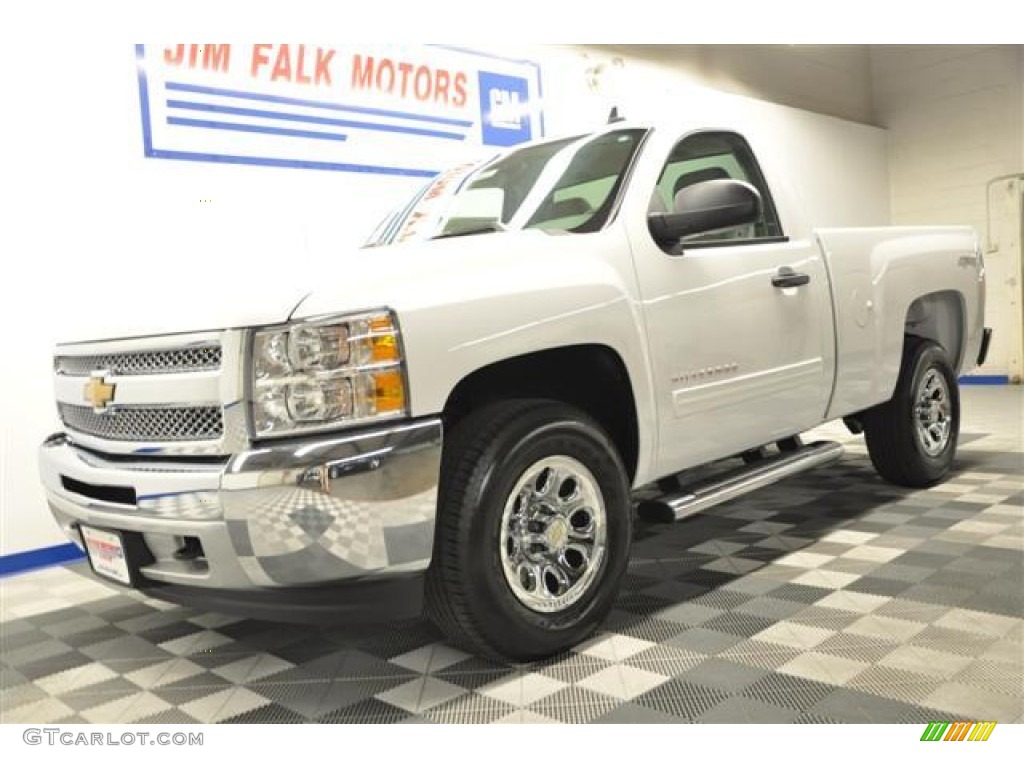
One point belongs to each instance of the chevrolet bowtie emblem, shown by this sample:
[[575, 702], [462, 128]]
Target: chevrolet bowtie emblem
[[99, 393]]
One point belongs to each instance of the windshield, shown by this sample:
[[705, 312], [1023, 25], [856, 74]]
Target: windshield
[[567, 185]]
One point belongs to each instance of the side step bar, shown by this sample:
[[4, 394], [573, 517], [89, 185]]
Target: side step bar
[[716, 490]]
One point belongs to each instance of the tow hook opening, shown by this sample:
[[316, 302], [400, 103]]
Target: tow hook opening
[[192, 549]]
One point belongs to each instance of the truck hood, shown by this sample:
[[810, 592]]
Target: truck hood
[[418, 275], [175, 305], [405, 278]]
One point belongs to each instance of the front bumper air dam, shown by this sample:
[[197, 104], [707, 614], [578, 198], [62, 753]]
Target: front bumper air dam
[[314, 513]]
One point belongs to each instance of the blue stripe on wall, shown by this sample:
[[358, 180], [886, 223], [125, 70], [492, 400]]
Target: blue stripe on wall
[[984, 379], [318, 120], [39, 558], [248, 128], [273, 99]]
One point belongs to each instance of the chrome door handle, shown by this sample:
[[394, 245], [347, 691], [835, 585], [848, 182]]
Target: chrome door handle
[[786, 277]]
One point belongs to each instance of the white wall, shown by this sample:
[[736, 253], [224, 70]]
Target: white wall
[[87, 219], [829, 79], [955, 120]]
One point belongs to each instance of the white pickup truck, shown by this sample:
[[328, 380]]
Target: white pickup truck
[[456, 418]]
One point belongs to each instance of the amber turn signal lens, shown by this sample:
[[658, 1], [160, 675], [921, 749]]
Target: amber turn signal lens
[[383, 344], [389, 391]]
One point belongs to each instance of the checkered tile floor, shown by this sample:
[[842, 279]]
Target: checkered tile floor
[[832, 597]]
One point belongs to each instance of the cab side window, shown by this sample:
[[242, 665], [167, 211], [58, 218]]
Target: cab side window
[[716, 155]]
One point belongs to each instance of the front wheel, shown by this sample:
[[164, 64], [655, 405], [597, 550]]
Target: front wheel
[[533, 530], [912, 437]]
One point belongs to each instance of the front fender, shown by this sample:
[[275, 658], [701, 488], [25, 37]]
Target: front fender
[[466, 303]]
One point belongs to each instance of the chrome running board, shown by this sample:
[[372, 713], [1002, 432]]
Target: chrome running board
[[725, 487]]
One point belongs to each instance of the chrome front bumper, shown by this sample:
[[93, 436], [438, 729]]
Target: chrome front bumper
[[312, 512]]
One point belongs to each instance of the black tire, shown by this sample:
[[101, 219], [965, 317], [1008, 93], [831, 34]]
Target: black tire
[[467, 595], [895, 444]]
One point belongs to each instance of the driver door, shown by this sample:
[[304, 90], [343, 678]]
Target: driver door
[[737, 361]]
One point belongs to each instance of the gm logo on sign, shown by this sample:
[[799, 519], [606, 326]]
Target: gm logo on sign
[[504, 109], [958, 731]]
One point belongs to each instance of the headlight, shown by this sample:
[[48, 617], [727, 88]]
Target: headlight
[[316, 374]]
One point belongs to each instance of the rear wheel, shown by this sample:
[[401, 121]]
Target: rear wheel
[[533, 530], [912, 438]]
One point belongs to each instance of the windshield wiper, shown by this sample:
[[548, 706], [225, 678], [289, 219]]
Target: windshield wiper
[[481, 230]]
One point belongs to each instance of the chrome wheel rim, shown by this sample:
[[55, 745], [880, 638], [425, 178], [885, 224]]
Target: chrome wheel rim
[[933, 412], [552, 535]]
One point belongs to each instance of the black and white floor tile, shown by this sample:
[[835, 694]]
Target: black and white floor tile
[[832, 597]]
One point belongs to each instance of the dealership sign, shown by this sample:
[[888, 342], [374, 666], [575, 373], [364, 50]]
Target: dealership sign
[[408, 110]]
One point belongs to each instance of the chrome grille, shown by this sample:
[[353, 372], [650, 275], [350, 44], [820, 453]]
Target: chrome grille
[[145, 424], [185, 360]]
